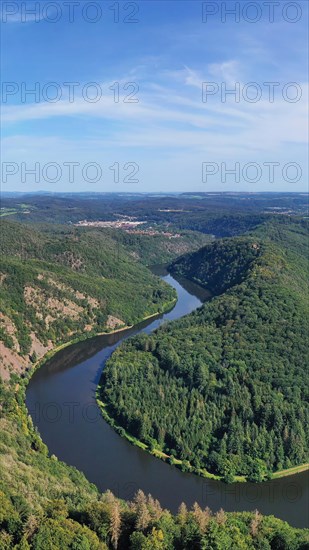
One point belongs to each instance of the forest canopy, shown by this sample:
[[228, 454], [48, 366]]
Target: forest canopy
[[224, 388], [46, 504]]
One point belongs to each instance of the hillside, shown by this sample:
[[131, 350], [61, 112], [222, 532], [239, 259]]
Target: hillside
[[162, 247], [221, 214], [223, 389], [63, 283], [46, 505]]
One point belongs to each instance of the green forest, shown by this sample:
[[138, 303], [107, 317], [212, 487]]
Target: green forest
[[176, 376], [47, 505], [223, 390], [60, 282], [222, 214]]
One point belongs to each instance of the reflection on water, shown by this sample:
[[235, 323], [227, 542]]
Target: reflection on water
[[61, 401]]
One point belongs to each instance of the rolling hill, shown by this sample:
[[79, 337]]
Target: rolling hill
[[45, 504], [223, 390], [64, 283]]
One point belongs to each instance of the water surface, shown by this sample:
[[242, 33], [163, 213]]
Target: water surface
[[61, 400]]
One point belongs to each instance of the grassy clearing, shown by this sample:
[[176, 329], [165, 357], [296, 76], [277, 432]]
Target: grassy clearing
[[291, 471]]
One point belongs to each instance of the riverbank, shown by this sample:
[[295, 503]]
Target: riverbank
[[112, 462], [83, 337], [22, 382], [291, 471], [184, 466]]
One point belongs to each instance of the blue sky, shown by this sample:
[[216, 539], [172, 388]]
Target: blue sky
[[166, 59]]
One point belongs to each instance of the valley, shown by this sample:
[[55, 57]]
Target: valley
[[73, 337], [154, 261], [234, 370]]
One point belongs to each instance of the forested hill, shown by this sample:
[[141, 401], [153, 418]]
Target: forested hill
[[45, 504], [227, 261], [224, 389], [220, 266], [63, 283]]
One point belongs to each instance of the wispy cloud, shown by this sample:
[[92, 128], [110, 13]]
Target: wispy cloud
[[227, 71], [181, 108], [170, 125]]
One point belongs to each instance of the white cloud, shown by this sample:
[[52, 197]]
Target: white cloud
[[170, 129], [227, 71]]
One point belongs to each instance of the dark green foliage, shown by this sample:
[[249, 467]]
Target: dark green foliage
[[221, 214], [45, 504], [220, 266], [225, 387], [143, 525], [75, 278]]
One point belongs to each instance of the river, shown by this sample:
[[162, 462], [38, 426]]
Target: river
[[61, 400]]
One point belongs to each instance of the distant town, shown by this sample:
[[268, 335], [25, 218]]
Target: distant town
[[128, 224]]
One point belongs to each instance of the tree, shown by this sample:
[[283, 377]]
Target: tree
[[115, 523], [221, 517], [142, 513], [154, 508], [256, 471], [201, 517], [182, 513], [255, 523]]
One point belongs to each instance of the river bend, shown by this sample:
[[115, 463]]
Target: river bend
[[61, 400]]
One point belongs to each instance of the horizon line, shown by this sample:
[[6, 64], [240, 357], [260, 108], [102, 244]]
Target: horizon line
[[164, 193]]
